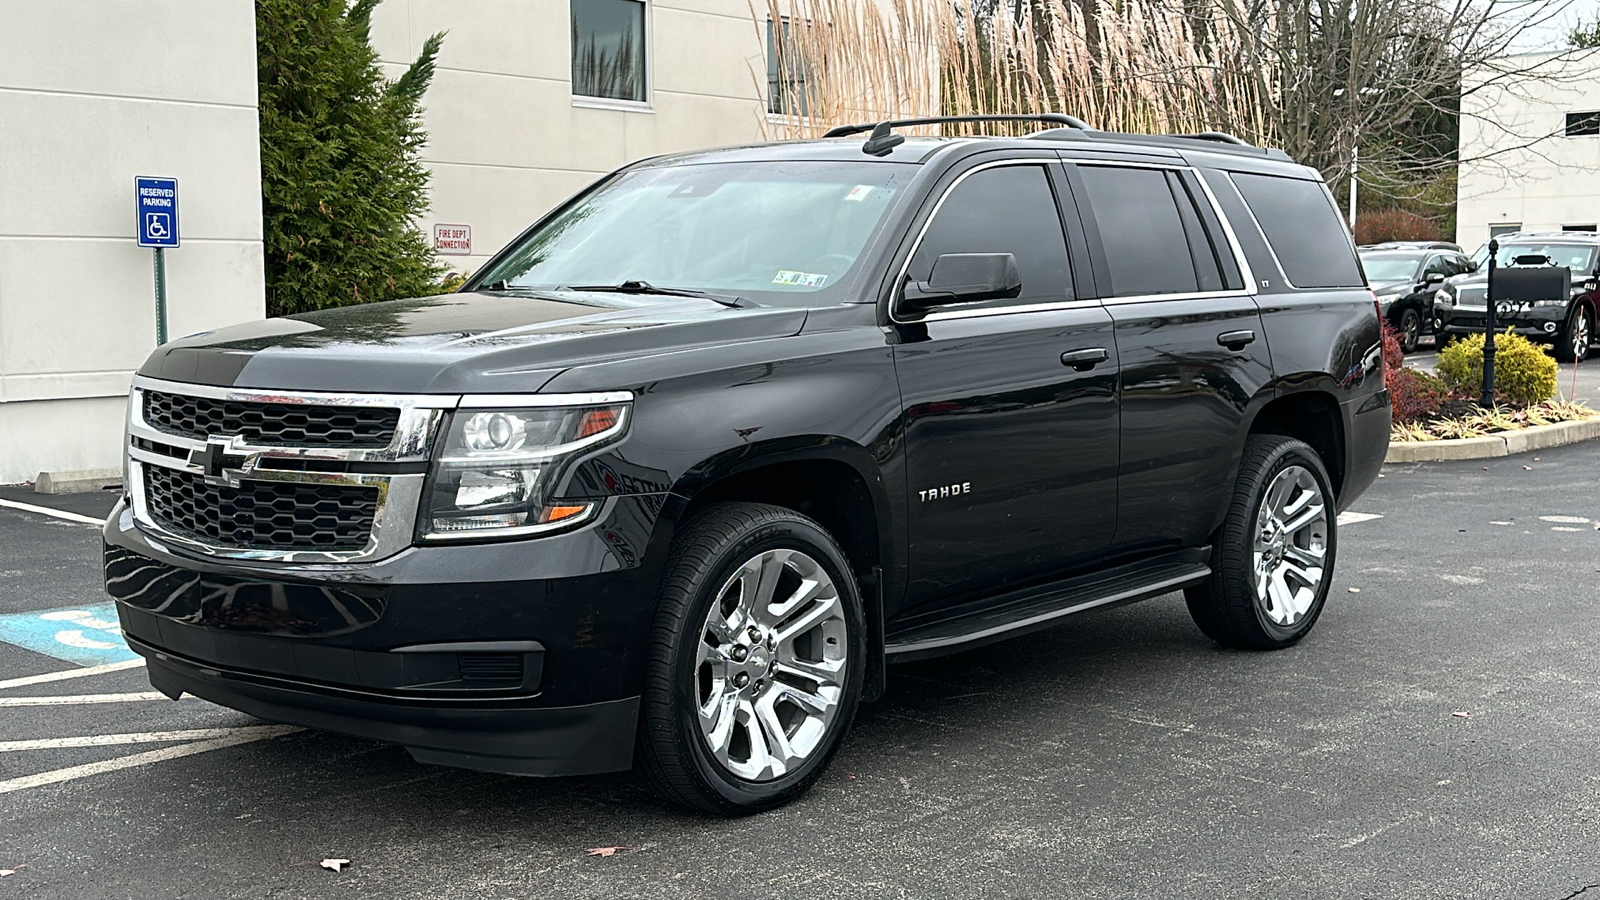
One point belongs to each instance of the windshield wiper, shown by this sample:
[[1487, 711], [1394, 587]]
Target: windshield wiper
[[645, 287]]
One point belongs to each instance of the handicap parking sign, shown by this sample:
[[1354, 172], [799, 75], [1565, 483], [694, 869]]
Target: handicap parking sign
[[88, 635], [157, 200]]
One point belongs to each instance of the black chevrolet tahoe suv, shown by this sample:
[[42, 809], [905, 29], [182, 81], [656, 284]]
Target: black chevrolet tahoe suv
[[676, 475], [1566, 324]]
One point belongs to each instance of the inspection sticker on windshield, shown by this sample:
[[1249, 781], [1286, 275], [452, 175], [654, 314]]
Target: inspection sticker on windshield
[[799, 279], [859, 193]]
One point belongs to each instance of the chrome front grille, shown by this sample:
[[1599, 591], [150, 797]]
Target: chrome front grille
[[284, 476], [262, 515], [271, 424]]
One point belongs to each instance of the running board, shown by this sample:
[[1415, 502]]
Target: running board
[[1019, 612]]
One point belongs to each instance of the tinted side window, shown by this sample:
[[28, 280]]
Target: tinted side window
[[1010, 209], [1303, 229], [1436, 266], [1146, 245]]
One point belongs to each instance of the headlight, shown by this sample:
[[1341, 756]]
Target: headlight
[[1550, 302], [494, 475], [1445, 297]]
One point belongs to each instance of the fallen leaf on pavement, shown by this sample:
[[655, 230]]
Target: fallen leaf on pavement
[[336, 865], [604, 851], [1461, 715]]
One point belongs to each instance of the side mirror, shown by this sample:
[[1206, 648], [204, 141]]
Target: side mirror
[[1433, 278], [964, 278]]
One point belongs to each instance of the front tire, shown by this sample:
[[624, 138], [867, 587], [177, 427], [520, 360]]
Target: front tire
[[1573, 345], [1272, 563], [756, 661], [1410, 328]]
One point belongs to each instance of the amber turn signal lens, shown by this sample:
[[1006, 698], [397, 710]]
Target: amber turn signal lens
[[557, 513], [596, 421]]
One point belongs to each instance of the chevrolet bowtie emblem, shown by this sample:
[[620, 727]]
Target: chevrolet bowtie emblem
[[213, 459]]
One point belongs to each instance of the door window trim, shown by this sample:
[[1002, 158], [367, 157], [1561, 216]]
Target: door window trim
[[944, 315], [1245, 272]]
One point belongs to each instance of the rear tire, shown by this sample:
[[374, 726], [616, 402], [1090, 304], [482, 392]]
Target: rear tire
[[1272, 563], [755, 664]]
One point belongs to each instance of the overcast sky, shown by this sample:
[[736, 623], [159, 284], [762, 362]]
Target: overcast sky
[[1553, 34]]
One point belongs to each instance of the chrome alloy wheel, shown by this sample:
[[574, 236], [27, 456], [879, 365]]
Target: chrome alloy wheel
[[1580, 335], [770, 668], [1290, 546]]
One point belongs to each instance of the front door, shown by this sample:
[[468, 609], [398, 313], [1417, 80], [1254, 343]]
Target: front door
[[1010, 406]]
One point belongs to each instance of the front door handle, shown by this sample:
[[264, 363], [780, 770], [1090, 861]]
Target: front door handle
[[1084, 360], [1234, 340]]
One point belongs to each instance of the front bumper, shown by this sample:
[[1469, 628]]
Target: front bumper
[[1537, 323], [523, 657]]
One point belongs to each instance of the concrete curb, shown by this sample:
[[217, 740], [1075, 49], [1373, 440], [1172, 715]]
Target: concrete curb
[[1505, 443], [81, 481]]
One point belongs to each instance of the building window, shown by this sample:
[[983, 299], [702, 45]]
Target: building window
[[1583, 123], [1578, 228], [1497, 230], [788, 69], [608, 49]]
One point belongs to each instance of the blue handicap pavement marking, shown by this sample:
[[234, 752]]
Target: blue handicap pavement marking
[[87, 635]]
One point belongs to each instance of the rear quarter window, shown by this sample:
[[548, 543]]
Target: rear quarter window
[[1303, 228]]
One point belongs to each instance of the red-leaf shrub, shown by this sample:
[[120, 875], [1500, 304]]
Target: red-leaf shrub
[[1394, 225], [1413, 394]]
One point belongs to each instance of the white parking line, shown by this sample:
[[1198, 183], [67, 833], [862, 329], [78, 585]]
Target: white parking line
[[240, 736], [1351, 518], [57, 513], [71, 673], [111, 740], [78, 699]]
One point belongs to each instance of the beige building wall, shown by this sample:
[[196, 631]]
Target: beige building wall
[[1519, 167], [93, 93], [508, 139]]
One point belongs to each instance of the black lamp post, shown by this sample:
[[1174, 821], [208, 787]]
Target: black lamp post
[[1486, 399]]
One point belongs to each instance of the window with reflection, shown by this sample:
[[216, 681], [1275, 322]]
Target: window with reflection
[[608, 49]]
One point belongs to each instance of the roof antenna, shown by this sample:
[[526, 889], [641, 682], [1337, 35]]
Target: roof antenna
[[882, 142]]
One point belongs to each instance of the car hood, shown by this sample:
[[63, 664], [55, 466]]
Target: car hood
[[477, 342]]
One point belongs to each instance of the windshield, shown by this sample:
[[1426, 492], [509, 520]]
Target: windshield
[[757, 230], [1576, 257], [1390, 266]]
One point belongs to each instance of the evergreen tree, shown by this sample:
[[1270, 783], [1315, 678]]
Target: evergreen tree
[[341, 181], [1585, 35]]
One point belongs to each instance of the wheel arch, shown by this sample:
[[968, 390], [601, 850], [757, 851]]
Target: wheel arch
[[829, 479], [1312, 416]]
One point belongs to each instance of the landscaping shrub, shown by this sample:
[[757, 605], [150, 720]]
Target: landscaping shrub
[[342, 180], [1413, 394], [1394, 225], [1523, 373]]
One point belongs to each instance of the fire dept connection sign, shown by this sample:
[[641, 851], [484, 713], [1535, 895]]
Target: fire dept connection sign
[[454, 240]]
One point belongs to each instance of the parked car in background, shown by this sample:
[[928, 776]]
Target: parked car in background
[[1406, 276], [1567, 324]]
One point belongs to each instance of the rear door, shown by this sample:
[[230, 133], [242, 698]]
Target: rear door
[[1190, 342], [1010, 406]]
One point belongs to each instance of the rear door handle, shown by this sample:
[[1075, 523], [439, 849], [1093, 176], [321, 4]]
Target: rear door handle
[[1084, 360], [1233, 340]]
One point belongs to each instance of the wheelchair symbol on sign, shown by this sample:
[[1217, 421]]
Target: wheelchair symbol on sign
[[158, 226]]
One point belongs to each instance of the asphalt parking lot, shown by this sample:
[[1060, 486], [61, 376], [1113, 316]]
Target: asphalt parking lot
[[1435, 736]]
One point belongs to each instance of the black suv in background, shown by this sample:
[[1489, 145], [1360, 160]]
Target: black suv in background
[[688, 463], [1567, 323], [1406, 276]]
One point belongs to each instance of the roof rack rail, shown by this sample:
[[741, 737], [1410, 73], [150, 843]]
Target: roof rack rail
[[1053, 118], [1219, 136]]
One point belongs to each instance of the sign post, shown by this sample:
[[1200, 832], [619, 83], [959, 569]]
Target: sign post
[[157, 202]]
